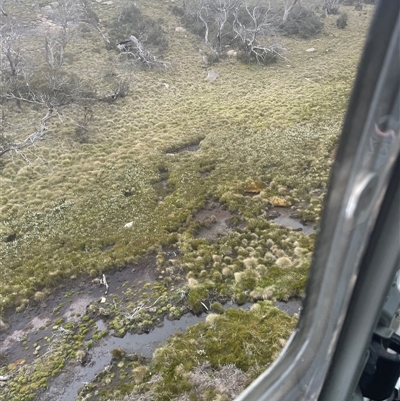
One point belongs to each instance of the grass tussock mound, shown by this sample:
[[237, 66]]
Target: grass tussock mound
[[130, 175]]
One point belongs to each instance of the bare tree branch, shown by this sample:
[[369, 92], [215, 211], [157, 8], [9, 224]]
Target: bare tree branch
[[213, 16], [30, 140], [91, 18], [11, 58], [67, 15], [137, 50], [2, 8], [331, 6], [288, 8], [251, 24]]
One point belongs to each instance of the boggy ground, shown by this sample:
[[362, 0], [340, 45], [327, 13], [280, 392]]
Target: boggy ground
[[63, 336], [69, 336], [184, 173]]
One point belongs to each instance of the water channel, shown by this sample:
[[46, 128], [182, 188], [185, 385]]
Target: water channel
[[66, 385]]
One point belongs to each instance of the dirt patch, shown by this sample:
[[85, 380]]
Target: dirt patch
[[29, 329], [216, 221], [78, 308]]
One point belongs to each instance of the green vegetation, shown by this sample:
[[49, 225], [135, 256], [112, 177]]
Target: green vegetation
[[251, 341], [266, 136], [192, 363], [341, 22], [277, 125], [304, 23]]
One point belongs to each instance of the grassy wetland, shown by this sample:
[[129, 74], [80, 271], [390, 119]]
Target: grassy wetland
[[159, 203]]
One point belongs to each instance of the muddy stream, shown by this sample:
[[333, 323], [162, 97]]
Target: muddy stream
[[29, 330], [66, 385]]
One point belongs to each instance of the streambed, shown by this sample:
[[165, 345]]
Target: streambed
[[26, 338], [66, 385]]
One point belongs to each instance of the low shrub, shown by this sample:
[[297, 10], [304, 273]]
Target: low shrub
[[214, 58], [303, 22], [130, 22], [341, 22]]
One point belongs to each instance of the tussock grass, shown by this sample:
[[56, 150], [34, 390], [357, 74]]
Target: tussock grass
[[274, 127], [250, 346]]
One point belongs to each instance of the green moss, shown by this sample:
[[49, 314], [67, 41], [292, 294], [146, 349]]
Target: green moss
[[249, 340], [216, 307], [196, 296]]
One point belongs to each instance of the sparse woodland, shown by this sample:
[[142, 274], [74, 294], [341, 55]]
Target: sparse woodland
[[163, 137], [250, 30]]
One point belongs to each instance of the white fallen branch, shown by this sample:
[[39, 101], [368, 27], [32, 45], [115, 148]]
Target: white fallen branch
[[60, 331], [138, 51], [103, 281], [136, 310]]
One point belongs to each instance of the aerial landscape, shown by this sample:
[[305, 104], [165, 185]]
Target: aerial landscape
[[163, 168]]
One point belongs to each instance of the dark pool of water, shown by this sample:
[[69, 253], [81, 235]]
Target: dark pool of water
[[66, 385], [284, 219]]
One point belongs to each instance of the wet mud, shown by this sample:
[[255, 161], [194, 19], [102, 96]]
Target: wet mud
[[292, 307], [27, 336], [216, 221], [31, 328], [285, 217], [65, 386]]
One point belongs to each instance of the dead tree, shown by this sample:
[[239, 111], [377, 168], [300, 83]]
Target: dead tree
[[67, 17], [253, 26], [213, 16], [136, 49], [12, 62], [52, 90], [223, 10], [331, 6], [90, 17], [54, 46], [11, 146], [288, 8], [10, 56]]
